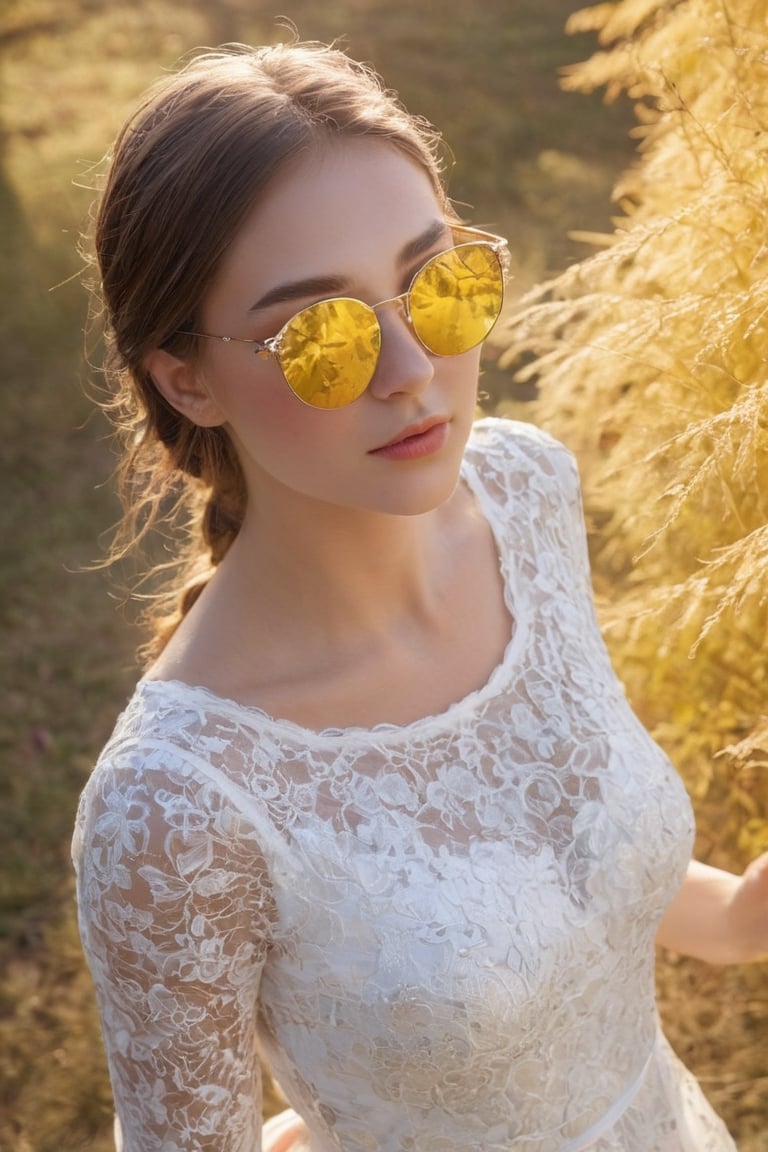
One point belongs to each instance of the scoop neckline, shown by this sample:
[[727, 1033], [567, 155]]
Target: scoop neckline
[[517, 608]]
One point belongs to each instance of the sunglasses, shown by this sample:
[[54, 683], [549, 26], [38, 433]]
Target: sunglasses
[[328, 352]]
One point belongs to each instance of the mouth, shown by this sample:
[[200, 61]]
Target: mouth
[[412, 432]]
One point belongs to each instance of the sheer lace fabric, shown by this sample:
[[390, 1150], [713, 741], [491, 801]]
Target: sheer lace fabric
[[441, 934]]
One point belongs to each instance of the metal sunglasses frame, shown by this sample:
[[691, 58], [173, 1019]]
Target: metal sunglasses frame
[[271, 346]]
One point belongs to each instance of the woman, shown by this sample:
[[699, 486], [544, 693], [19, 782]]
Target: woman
[[378, 799]]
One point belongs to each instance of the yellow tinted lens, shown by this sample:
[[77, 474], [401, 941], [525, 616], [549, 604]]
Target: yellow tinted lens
[[328, 352], [456, 299]]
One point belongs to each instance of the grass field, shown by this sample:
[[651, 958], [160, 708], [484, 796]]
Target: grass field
[[532, 162]]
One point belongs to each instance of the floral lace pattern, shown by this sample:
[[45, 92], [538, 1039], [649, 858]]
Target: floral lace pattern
[[442, 934]]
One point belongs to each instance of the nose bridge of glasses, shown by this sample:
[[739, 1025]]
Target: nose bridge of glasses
[[401, 303]]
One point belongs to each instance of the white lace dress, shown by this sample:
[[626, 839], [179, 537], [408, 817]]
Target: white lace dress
[[442, 935]]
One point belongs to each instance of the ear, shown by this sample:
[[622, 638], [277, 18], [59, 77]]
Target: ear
[[181, 385]]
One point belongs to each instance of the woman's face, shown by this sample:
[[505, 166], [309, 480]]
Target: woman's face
[[356, 218]]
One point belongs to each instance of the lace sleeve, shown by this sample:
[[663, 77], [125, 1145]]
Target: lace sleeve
[[175, 918]]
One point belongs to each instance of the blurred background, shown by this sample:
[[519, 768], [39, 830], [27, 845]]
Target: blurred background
[[531, 161]]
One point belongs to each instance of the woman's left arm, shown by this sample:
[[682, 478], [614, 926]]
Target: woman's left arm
[[719, 917]]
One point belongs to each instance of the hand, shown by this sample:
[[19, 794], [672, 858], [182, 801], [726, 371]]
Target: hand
[[747, 911]]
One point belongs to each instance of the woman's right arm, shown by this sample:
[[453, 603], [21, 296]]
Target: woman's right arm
[[175, 917]]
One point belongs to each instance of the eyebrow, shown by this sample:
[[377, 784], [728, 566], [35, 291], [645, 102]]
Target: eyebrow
[[322, 285]]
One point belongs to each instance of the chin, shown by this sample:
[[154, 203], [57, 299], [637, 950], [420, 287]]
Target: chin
[[416, 499]]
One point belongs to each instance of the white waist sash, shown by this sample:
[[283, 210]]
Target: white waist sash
[[609, 1118]]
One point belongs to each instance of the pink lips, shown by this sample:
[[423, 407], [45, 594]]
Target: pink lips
[[416, 441]]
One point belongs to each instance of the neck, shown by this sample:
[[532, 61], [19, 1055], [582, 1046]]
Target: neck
[[337, 570], [341, 617]]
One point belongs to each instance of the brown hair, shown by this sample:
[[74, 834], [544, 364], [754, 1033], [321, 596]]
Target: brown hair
[[185, 170]]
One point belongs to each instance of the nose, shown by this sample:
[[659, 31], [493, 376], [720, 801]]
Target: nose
[[404, 364]]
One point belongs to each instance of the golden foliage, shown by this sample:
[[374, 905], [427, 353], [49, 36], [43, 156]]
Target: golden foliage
[[650, 358]]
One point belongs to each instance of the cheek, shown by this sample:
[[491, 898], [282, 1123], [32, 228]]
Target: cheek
[[250, 392], [460, 375], [274, 432]]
